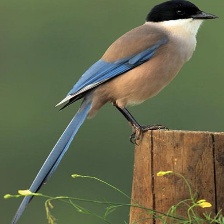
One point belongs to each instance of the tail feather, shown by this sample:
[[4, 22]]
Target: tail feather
[[56, 155]]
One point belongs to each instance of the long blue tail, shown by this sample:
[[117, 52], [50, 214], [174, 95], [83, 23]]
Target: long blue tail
[[56, 155]]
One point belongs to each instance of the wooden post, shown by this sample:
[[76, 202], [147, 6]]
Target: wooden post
[[198, 156]]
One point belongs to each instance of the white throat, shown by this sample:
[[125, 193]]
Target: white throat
[[180, 26]]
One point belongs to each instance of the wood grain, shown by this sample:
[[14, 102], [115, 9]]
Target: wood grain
[[198, 156]]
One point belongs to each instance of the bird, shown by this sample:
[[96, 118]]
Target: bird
[[135, 67]]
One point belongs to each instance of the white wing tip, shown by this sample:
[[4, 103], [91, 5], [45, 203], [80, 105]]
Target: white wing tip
[[64, 100]]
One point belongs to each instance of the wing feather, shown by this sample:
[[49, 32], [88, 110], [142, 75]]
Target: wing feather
[[102, 71]]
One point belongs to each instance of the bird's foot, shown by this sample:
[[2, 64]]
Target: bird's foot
[[138, 131]]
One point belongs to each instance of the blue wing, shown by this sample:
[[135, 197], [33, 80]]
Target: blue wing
[[97, 74], [103, 71]]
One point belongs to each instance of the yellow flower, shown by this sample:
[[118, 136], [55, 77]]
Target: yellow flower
[[163, 173], [75, 175], [6, 196], [24, 192], [204, 204]]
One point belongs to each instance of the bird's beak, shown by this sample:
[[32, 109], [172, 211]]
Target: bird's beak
[[204, 15]]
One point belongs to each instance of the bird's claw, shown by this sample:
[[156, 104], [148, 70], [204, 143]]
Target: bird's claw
[[135, 135], [138, 131], [154, 127]]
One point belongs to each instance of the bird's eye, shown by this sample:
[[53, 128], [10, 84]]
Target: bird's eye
[[181, 13]]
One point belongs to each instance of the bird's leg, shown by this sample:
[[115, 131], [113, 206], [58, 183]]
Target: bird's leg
[[137, 128]]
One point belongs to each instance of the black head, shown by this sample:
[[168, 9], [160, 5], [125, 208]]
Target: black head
[[176, 9]]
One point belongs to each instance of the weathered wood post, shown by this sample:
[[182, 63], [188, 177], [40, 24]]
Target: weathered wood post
[[199, 156]]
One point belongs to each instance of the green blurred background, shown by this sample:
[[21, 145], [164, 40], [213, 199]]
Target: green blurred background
[[45, 47]]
